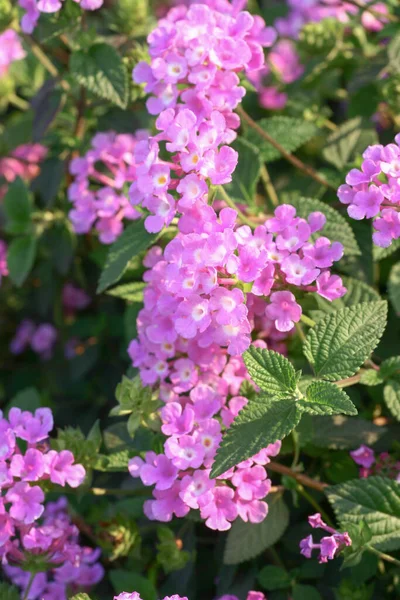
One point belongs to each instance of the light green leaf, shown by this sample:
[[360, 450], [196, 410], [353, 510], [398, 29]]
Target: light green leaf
[[342, 341], [20, 258], [324, 398], [381, 253], [100, 69], [393, 51], [390, 368], [246, 175], [370, 378], [375, 500], [394, 287], [336, 227], [271, 371], [290, 132], [133, 240], [391, 393], [131, 292], [342, 145], [115, 462], [81, 596], [261, 422], [18, 207], [247, 540], [274, 578]]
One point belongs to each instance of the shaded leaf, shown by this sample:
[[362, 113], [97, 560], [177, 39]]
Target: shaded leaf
[[20, 258]]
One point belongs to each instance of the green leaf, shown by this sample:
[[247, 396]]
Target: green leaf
[[394, 287], [27, 399], [133, 240], [100, 69], [391, 393], [81, 597], [305, 592], [390, 368], [9, 592], [370, 378], [357, 292], [375, 500], [271, 371], [343, 144], [18, 207], [131, 292], [342, 341], [393, 51], [273, 578], [115, 462], [290, 132], [338, 432], [129, 580], [246, 175], [336, 227], [247, 540], [20, 258], [261, 422], [381, 253], [324, 398]]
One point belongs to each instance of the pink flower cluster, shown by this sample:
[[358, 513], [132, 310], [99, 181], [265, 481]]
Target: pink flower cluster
[[54, 543], [3, 260], [33, 9], [99, 193], [40, 338], [196, 54], [22, 162], [329, 546], [250, 596], [373, 191], [136, 596], [208, 285], [384, 464], [21, 501], [10, 50]]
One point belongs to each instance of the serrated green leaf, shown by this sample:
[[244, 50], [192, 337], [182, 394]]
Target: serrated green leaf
[[274, 578], [115, 462], [100, 69], [370, 378], [18, 207], [133, 240], [357, 292], [20, 258], [375, 500], [391, 393], [343, 144], [342, 341], [324, 398], [336, 227], [132, 292], [290, 132], [247, 540], [394, 287], [271, 371], [381, 253], [261, 422], [246, 175], [338, 432]]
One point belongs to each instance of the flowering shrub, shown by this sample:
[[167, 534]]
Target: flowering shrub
[[200, 281]]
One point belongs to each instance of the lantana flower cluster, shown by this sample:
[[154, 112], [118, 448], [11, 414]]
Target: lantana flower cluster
[[136, 596], [384, 464], [329, 546], [10, 50], [25, 461], [373, 191], [101, 178], [52, 544], [196, 55], [40, 338], [33, 9], [24, 162]]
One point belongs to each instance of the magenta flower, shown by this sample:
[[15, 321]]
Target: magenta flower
[[363, 456], [219, 508], [162, 473], [61, 470], [284, 310], [26, 502]]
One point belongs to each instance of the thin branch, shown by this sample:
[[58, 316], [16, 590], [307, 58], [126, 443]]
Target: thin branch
[[231, 203], [269, 187], [299, 477], [384, 556]]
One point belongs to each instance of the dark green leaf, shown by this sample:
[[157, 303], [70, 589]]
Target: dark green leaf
[[305, 592], [391, 393], [394, 287], [27, 399], [246, 174], [20, 258], [18, 207], [131, 581], [343, 144], [338, 432], [324, 398], [273, 578]]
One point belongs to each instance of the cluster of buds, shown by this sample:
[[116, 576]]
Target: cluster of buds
[[383, 464], [329, 546]]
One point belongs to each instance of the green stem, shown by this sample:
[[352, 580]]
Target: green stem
[[28, 589], [349, 381], [307, 320], [300, 331], [231, 203], [44, 60], [18, 102], [269, 187], [303, 492], [384, 556], [296, 449]]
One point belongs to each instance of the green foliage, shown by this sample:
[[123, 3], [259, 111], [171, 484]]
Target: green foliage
[[348, 140], [131, 292], [324, 398], [394, 287], [27, 399], [246, 175], [21, 257], [133, 240], [247, 540], [17, 207], [341, 342], [118, 536], [376, 500], [81, 596], [129, 580], [101, 70], [290, 132], [170, 554], [8, 592], [271, 371], [391, 393], [338, 432], [138, 402], [84, 449], [305, 592], [273, 578]]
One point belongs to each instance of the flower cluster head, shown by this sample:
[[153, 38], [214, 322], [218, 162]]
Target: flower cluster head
[[385, 464], [21, 500], [329, 546], [196, 55], [24, 162], [3, 260], [33, 9], [40, 338], [53, 542], [373, 191], [136, 596], [99, 189], [10, 50], [250, 596]]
